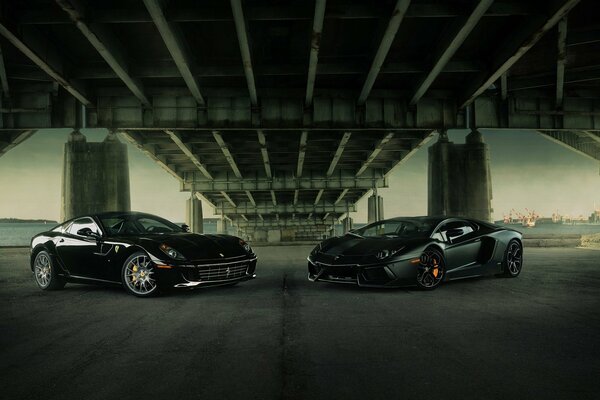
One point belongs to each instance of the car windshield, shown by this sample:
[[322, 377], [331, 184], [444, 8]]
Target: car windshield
[[137, 224], [396, 228]]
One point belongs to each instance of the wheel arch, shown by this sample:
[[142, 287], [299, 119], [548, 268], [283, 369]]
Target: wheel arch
[[46, 246], [437, 247]]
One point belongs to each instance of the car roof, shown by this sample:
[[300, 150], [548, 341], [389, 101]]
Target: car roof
[[117, 213], [429, 219]]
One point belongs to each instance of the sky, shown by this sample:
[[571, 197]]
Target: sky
[[527, 171]]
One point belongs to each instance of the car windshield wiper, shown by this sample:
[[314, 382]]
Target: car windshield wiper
[[354, 234]]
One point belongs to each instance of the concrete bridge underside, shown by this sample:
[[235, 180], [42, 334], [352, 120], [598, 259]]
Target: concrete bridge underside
[[283, 115]]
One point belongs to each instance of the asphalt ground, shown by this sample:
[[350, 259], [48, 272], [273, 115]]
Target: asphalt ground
[[282, 337]]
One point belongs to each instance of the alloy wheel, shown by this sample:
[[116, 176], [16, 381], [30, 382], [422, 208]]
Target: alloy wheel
[[139, 273], [430, 271], [514, 258], [43, 270]]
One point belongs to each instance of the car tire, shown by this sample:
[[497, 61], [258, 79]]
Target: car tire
[[431, 269], [137, 275], [45, 274], [513, 259]]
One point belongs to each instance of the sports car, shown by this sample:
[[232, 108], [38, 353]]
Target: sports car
[[142, 252], [421, 251]]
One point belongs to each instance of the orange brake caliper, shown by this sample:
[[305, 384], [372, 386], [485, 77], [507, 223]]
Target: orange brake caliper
[[435, 268]]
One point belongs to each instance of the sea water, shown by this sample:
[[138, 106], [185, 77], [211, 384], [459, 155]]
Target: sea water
[[20, 234]]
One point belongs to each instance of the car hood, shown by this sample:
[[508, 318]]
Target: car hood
[[351, 249], [193, 246]]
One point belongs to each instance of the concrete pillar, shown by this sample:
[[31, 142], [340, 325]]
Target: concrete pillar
[[95, 176], [259, 235], [347, 224], [222, 226], [193, 214], [459, 178], [374, 208], [274, 235]]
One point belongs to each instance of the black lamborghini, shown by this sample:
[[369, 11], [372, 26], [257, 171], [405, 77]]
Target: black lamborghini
[[421, 251], [142, 252]]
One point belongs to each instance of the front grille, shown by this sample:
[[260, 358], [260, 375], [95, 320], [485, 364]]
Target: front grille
[[341, 272], [216, 272]]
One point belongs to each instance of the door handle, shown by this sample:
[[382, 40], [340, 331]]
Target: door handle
[[61, 240]]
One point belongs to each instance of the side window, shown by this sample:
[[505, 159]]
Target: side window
[[454, 230], [152, 225], [83, 223]]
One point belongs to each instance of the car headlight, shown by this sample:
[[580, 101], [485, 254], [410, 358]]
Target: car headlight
[[171, 252], [383, 254], [246, 246], [316, 249]]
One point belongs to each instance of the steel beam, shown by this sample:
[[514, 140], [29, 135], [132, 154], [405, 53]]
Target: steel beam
[[571, 140], [338, 153], [107, 46], [383, 49], [318, 198], [250, 197], [228, 156], [341, 196], [3, 78], [378, 147], [211, 13], [507, 59], [572, 76], [273, 197], [450, 49], [176, 138], [281, 224], [592, 135], [14, 141], [167, 69], [229, 200], [47, 66], [201, 197], [175, 43], [561, 60], [149, 151], [268, 208], [223, 182], [315, 44], [301, 153], [262, 140], [242, 34]]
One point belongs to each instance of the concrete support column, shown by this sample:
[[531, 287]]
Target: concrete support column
[[374, 208], [222, 226], [95, 176], [274, 235], [332, 231], [459, 178], [259, 235], [347, 224], [193, 214]]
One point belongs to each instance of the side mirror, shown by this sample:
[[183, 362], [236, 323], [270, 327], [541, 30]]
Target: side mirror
[[185, 227], [452, 233], [88, 233]]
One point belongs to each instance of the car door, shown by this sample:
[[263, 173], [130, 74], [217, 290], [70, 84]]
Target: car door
[[462, 247], [78, 252]]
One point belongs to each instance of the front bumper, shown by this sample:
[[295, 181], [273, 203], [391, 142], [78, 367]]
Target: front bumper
[[392, 274], [208, 273]]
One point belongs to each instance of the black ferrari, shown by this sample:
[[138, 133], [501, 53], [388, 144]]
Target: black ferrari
[[142, 252], [421, 251]]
